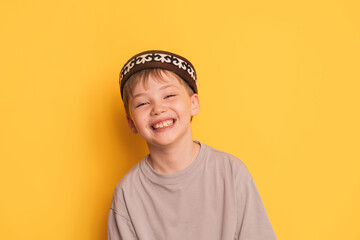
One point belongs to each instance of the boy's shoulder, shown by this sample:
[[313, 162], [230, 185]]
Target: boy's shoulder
[[131, 176], [227, 161], [127, 183]]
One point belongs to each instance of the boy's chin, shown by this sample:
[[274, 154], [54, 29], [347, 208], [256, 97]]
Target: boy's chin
[[160, 143], [169, 141], [163, 142]]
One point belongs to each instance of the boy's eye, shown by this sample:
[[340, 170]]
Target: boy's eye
[[170, 95], [141, 104]]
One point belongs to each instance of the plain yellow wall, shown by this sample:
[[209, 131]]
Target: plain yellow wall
[[278, 84]]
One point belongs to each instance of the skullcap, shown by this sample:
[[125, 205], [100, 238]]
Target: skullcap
[[159, 59]]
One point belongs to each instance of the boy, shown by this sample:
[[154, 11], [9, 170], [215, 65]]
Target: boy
[[182, 189]]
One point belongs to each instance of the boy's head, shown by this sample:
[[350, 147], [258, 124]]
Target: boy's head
[[159, 101], [155, 64]]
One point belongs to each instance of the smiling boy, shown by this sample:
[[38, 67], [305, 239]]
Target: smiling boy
[[182, 189]]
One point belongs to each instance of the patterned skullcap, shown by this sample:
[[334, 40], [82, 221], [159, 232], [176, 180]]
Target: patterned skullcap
[[159, 59]]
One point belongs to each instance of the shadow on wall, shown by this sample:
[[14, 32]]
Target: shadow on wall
[[115, 149], [133, 147], [129, 148]]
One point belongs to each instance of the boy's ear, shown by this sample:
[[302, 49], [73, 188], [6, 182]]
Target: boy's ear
[[195, 104], [131, 125]]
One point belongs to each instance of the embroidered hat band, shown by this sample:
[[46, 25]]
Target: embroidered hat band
[[159, 59]]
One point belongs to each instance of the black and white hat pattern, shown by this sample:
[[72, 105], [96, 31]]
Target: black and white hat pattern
[[159, 59]]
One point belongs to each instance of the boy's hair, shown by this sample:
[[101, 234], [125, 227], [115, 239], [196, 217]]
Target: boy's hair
[[143, 77]]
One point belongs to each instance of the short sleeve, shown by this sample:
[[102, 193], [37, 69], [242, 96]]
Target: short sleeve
[[119, 228], [254, 222]]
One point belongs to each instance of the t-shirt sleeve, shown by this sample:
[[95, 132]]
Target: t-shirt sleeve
[[254, 222], [119, 228]]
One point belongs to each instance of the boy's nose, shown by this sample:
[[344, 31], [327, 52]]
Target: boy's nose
[[158, 109]]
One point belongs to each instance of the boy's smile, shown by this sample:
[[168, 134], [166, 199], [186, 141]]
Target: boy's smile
[[163, 124], [161, 109]]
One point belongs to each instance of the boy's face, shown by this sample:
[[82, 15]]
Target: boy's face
[[160, 111]]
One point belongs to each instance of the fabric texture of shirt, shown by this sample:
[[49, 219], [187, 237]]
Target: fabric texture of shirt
[[215, 198]]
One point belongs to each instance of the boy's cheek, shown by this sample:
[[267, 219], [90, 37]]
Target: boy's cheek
[[131, 125]]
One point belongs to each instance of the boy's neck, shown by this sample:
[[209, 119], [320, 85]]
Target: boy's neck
[[174, 158]]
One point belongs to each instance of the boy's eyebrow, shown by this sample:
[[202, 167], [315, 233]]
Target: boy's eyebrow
[[137, 95], [163, 87], [167, 86]]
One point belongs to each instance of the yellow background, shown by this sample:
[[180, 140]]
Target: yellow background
[[279, 88]]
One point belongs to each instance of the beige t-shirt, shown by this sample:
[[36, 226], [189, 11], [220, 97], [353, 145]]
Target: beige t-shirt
[[215, 198]]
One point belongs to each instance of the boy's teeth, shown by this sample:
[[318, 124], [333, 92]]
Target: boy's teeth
[[166, 123]]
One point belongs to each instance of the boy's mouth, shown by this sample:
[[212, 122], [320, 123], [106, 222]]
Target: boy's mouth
[[163, 124]]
